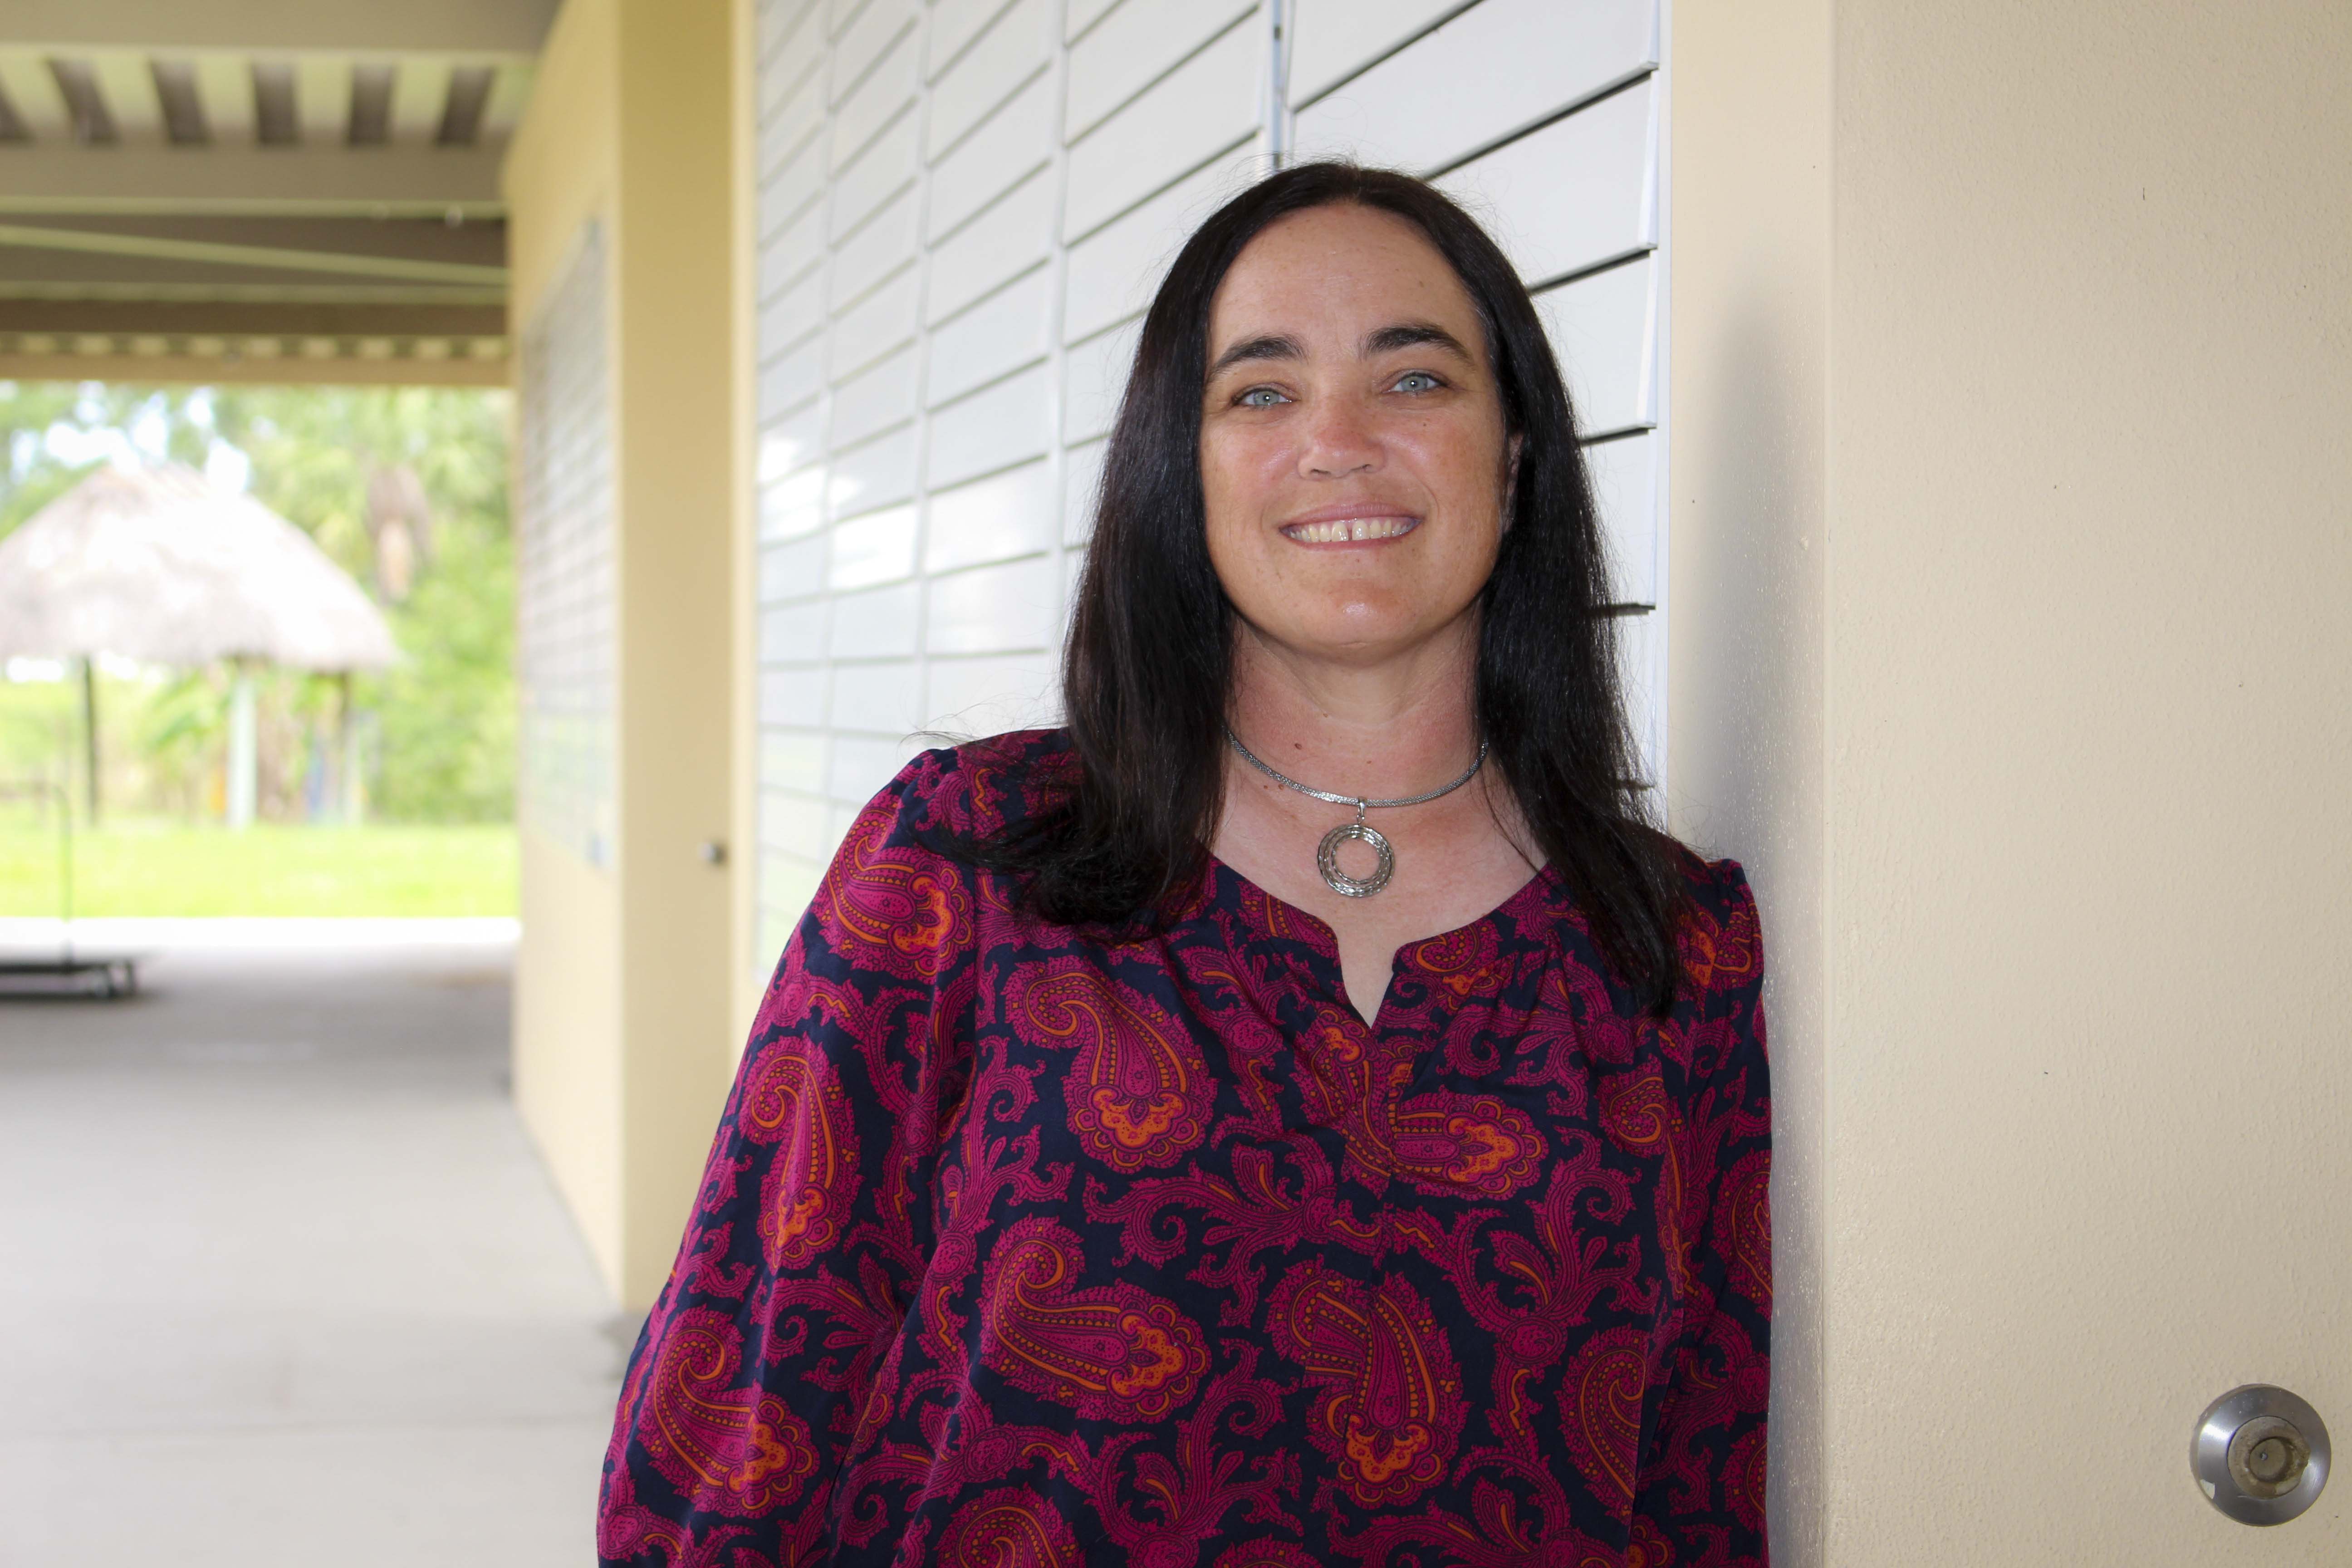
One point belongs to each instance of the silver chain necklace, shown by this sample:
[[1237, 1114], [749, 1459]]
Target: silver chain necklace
[[1326, 853]]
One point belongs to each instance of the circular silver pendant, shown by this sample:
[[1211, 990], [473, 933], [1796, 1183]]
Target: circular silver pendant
[[1327, 860]]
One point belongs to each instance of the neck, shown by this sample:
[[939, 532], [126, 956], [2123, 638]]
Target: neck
[[1399, 726]]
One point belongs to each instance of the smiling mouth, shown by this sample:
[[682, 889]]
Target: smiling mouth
[[1351, 530]]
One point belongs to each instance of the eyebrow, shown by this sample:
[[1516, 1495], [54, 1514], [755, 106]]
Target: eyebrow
[[1270, 346], [1383, 340], [1412, 334]]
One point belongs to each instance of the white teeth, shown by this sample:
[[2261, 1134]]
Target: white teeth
[[1351, 530]]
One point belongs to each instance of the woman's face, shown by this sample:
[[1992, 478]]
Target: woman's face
[[1352, 445]]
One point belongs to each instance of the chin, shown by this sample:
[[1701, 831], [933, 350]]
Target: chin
[[1359, 633]]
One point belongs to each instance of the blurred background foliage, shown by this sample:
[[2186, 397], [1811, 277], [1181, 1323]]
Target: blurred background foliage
[[404, 487]]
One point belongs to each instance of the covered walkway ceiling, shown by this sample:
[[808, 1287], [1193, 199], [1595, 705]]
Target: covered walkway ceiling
[[259, 189]]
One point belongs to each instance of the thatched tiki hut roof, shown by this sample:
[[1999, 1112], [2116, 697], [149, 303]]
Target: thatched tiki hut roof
[[161, 565]]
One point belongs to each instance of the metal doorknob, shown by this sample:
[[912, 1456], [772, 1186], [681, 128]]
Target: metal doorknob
[[2260, 1454]]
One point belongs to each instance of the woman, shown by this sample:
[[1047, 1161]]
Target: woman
[[1300, 1112]]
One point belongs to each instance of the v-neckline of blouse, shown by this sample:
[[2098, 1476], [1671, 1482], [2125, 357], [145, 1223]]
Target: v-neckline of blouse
[[1319, 935]]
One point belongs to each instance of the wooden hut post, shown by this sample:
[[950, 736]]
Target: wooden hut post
[[90, 730], [349, 785], [243, 745]]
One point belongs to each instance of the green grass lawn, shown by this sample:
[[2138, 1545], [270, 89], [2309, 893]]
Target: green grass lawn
[[167, 870]]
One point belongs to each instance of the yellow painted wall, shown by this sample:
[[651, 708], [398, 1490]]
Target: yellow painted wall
[[749, 973], [2011, 362], [567, 1034], [624, 1026], [558, 176], [674, 376]]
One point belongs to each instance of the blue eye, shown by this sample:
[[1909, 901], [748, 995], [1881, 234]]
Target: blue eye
[[1428, 382], [1260, 397]]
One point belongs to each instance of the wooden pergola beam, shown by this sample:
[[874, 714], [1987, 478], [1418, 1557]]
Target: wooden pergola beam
[[488, 26], [241, 317], [286, 369], [311, 180]]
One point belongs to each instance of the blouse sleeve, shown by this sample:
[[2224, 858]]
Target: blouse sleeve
[[810, 1229], [1702, 1488]]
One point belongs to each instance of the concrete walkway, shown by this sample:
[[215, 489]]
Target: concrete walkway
[[281, 1280]]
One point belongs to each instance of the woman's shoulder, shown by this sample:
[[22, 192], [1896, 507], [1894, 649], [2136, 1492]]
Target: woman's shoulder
[[972, 789], [1710, 909], [1718, 931]]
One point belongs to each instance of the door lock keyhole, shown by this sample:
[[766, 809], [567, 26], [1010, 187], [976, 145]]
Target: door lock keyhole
[[2267, 1456], [2260, 1454]]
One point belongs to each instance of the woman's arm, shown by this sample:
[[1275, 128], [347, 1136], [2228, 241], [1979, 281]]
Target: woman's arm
[[812, 1224], [1700, 1495]]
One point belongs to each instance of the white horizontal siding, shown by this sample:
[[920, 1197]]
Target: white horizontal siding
[[1001, 334], [1008, 238], [1113, 271], [1207, 106], [879, 473], [1139, 43], [1580, 191], [1007, 147], [1604, 328], [1500, 68], [994, 519], [1333, 39], [1006, 57]]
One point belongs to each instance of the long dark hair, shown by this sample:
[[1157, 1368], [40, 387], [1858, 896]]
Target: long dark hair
[[1147, 671]]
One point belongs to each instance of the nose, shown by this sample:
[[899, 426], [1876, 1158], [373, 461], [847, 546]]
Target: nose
[[1336, 441]]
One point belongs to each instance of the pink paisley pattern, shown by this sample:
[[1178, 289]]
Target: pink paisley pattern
[[1113, 1354], [1009, 1528], [1138, 1095], [795, 1100], [1389, 1411], [735, 1450], [1026, 1247]]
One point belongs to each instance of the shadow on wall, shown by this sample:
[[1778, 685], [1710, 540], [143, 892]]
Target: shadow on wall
[[1745, 779]]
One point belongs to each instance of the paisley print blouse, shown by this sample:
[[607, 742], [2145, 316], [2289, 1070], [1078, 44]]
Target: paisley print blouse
[[1025, 1247]]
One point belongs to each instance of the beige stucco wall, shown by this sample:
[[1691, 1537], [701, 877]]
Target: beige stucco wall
[[623, 1027], [2010, 376], [1747, 136], [2090, 712]]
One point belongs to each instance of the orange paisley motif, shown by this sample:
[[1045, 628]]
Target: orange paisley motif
[[796, 1101], [1722, 955], [1639, 1116], [1443, 1143], [1138, 1093], [1009, 1528], [1648, 1547], [736, 1451], [898, 901], [1114, 1353], [1390, 1409], [1462, 963], [1453, 1142]]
